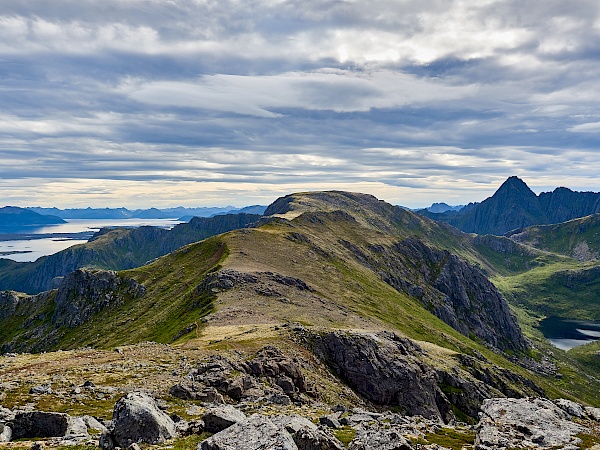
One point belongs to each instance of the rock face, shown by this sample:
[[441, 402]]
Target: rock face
[[137, 418], [379, 439], [389, 370], [525, 423], [85, 292], [454, 290], [383, 368]]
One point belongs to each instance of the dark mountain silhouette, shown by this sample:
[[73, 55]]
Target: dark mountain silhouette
[[515, 206]]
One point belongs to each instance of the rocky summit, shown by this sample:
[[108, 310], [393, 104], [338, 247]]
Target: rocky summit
[[334, 321]]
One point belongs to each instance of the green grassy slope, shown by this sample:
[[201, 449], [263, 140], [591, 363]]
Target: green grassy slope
[[320, 240]]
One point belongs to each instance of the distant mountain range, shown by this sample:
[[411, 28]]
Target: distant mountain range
[[152, 213], [14, 217], [515, 206]]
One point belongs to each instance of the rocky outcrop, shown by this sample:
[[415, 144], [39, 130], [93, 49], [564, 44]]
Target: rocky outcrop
[[85, 292], [380, 439], [270, 375], [389, 370], [8, 304], [137, 418], [385, 369], [525, 423]]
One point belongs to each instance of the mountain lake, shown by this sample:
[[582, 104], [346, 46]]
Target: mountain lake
[[568, 333], [29, 244]]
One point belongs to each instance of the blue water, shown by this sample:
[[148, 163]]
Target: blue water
[[31, 246], [567, 333]]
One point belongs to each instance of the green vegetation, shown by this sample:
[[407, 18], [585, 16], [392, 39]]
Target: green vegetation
[[345, 434], [452, 438]]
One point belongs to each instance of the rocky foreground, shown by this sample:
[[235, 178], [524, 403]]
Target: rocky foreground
[[267, 399], [138, 418]]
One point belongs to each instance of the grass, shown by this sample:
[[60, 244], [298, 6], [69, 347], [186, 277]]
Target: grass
[[345, 435], [452, 438]]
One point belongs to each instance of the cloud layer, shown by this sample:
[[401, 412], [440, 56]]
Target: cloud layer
[[197, 102]]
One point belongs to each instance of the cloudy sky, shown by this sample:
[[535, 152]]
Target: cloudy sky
[[214, 102]]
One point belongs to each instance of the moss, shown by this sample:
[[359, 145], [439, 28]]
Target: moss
[[345, 434], [452, 438]]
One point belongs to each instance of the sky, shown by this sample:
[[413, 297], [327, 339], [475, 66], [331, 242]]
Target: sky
[[236, 102]]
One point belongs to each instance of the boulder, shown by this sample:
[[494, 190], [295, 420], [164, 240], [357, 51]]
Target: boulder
[[379, 439], [524, 422], [571, 408], [6, 415], [5, 433], [41, 389], [38, 424], [307, 438], [255, 433], [293, 423], [138, 418], [218, 418], [330, 421], [593, 413]]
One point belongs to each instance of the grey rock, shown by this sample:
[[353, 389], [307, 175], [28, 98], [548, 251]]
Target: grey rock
[[255, 433], [85, 292], [379, 439], [138, 418], [593, 413], [330, 421], [37, 446], [41, 389], [5, 433], [218, 418], [77, 427], [38, 424], [93, 423], [385, 369], [570, 407], [280, 399], [106, 441], [6, 415], [315, 439], [526, 422], [293, 423]]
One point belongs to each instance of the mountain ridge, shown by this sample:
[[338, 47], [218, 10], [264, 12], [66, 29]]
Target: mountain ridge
[[514, 205]]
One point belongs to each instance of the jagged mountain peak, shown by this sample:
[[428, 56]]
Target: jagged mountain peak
[[514, 186]]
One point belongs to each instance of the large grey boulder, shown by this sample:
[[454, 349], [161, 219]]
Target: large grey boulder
[[39, 424], [255, 433], [570, 407], [386, 439], [293, 423], [218, 418], [525, 423], [137, 418]]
